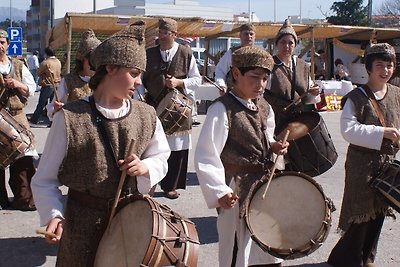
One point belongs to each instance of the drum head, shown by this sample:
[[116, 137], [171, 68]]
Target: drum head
[[291, 214], [300, 126], [126, 242]]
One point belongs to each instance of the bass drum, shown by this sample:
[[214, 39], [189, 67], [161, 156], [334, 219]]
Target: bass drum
[[146, 233], [294, 218], [311, 149]]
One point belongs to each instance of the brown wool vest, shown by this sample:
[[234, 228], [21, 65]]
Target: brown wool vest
[[13, 99], [76, 87], [280, 94], [88, 165], [244, 146]]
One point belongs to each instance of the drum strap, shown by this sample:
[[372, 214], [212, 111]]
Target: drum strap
[[375, 106]]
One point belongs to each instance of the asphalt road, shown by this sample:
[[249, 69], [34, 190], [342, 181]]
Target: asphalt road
[[20, 246]]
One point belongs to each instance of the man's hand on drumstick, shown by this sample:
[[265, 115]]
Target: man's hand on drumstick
[[228, 201], [280, 148], [134, 166], [55, 226], [391, 133], [172, 82], [14, 84]]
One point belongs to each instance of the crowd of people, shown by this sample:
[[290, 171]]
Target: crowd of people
[[107, 107]]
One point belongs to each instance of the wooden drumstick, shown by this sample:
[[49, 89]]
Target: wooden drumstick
[[213, 83], [46, 233], [120, 185], [274, 166]]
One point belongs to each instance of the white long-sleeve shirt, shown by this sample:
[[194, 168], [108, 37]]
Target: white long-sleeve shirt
[[193, 80], [222, 68], [354, 132], [45, 183]]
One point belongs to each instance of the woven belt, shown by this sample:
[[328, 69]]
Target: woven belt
[[89, 201]]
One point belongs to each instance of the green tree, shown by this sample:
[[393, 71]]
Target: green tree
[[349, 12], [20, 23]]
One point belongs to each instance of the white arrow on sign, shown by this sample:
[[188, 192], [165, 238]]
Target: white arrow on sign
[[15, 47]]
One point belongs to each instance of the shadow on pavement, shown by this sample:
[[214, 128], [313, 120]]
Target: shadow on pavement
[[191, 179], [25, 252], [321, 264], [206, 229]]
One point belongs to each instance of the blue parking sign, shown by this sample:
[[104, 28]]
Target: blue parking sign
[[14, 34], [15, 49]]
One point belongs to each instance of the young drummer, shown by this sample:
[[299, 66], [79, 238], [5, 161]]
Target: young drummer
[[78, 155], [371, 144], [236, 139]]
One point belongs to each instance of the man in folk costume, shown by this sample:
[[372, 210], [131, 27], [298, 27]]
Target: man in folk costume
[[87, 149], [290, 78], [19, 85], [247, 38], [231, 156], [171, 65], [370, 123], [50, 75], [75, 85]]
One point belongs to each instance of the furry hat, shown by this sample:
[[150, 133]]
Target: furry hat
[[286, 29], [381, 48], [125, 48], [88, 43], [168, 24], [251, 56]]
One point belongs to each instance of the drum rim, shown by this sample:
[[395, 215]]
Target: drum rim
[[306, 249]]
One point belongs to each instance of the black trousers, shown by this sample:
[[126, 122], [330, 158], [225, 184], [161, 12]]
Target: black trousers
[[177, 170], [46, 94], [358, 245], [21, 173]]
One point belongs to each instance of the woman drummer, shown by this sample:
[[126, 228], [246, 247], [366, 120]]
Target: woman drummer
[[290, 80], [87, 149], [241, 127]]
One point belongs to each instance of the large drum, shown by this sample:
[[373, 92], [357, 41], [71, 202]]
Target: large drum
[[174, 110], [15, 139], [146, 233], [311, 149], [388, 183], [294, 218]]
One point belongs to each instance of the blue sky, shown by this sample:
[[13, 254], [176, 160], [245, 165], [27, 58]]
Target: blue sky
[[264, 9]]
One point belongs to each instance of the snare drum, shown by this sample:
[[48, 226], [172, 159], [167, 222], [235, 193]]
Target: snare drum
[[174, 111], [388, 183], [311, 149], [294, 218], [146, 233], [15, 139]]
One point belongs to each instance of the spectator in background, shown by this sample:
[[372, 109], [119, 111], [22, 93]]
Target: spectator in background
[[341, 72], [49, 72], [319, 65], [33, 64]]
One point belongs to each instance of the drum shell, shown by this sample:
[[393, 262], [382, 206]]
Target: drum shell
[[171, 239], [313, 152], [314, 237], [15, 139], [388, 183], [174, 111]]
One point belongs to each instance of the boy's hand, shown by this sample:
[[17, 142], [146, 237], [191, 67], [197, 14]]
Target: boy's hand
[[228, 201], [280, 148], [133, 166]]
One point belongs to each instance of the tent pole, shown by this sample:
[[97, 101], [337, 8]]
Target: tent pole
[[69, 43]]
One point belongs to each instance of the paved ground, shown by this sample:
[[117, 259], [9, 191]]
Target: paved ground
[[20, 246]]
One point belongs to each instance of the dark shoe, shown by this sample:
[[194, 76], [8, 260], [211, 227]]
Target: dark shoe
[[196, 123], [171, 194]]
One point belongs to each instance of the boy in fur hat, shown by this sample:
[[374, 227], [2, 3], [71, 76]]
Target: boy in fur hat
[[234, 124], [77, 155], [75, 85], [290, 78], [372, 143]]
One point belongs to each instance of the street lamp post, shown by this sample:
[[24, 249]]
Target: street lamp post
[[250, 19], [10, 15], [274, 10]]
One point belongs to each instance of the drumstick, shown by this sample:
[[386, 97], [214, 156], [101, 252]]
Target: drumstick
[[119, 189], [274, 166], [213, 83], [296, 102], [46, 233]]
